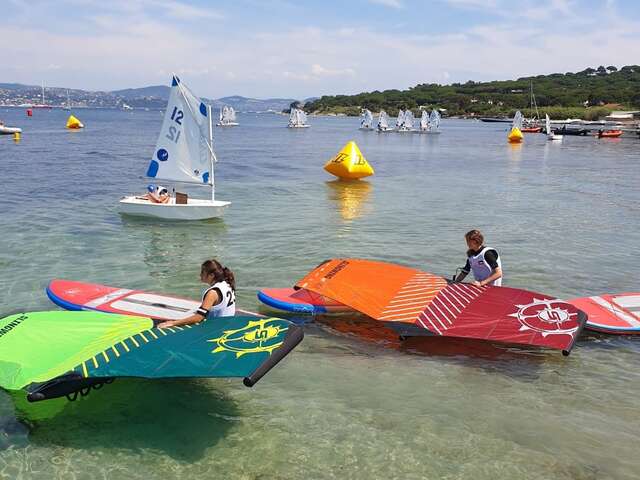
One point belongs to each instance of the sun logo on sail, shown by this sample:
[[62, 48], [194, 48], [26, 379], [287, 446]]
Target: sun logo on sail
[[263, 335], [547, 317]]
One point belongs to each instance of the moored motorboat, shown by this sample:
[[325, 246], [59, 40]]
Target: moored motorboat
[[609, 133], [4, 130]]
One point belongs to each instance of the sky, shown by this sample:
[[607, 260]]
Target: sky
[[307, 48]]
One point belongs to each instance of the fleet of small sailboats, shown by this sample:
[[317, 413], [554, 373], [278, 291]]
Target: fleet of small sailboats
[[183, 154], [297, 119], [227, 117]]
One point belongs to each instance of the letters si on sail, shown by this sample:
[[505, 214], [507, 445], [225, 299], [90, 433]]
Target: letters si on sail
[[183, 153]]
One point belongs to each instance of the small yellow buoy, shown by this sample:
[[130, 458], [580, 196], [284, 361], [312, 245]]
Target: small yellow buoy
[[74, 123], [515, 135], [349, 163], [16, 137]]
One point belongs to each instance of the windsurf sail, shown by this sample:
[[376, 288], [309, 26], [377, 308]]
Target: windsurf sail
[[383, 120], [367, 119], [52, 354], [420, 303], [184, 152]]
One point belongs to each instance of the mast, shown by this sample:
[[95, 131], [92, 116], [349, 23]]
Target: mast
[[43, 93], [209, 111]]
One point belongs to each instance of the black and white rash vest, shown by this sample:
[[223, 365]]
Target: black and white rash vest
[[481, 269], [227, 305]]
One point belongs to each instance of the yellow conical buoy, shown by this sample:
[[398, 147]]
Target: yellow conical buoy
[[349, 163], [515, 135], [74, 123]]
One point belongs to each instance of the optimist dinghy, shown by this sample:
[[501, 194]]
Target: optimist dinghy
[[184, 154]]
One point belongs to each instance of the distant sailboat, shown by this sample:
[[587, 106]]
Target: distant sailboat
[[430, 123], [367, 120], [227, 117], [532, 123], [297, 119], [406, 125], [183, 154], [383, 122], [43, 104], [400, 119], [550, 134], [68, 104]]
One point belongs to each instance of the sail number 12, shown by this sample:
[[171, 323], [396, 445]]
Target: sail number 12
[[174, 133]]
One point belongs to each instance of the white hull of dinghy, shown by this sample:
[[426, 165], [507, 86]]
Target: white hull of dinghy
[[9, 130], [194, 209], [230, 124]]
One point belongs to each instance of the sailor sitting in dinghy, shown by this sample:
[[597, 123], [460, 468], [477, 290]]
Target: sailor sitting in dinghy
[[157, 194]]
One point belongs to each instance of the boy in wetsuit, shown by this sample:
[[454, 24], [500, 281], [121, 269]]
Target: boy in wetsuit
[[483, 261]]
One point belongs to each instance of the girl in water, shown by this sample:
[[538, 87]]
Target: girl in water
[[218, 299], [483, 261]]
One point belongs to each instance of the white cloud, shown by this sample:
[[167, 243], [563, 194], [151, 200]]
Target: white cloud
[[389, 3], [107, 52]]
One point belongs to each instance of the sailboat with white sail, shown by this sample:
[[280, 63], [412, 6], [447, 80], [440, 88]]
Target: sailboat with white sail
[[407, 122], [548, 131], [430, 123], [183, 154], [400, 119], [383, 122], [367, 120], [67, 106], [227, 117], [297, 119]]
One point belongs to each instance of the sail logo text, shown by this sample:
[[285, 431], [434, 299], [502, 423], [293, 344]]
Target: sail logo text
[[12, 324]]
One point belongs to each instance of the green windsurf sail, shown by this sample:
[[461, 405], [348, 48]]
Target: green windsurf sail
[[52, 354]]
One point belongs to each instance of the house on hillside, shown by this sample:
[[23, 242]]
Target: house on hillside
[[624, 116]]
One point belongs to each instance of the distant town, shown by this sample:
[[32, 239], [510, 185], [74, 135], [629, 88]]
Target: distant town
[[149, 98]]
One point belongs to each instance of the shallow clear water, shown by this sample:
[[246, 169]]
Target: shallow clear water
[[351, 401]]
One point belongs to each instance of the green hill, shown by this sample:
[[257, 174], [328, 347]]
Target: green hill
[[588, 94]]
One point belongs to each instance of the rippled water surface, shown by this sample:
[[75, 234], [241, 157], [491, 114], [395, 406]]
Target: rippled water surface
[[351, 401]]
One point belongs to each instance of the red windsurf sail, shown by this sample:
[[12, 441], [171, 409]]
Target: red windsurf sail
[[411, 300]]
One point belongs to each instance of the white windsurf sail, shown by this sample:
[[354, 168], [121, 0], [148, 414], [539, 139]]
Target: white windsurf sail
[[383, 120], [183, 152], [517, 120], [434, 120], [400, 119]]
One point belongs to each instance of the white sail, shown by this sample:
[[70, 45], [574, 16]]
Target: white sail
[[183, 152], [383, 120], [434, 120], [547, 124], [407, 124], [517, 120], [367, 119], [400, 119], [297, 118], [424, 120]]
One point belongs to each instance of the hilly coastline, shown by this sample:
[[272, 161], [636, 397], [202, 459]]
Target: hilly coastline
[[588, 94]]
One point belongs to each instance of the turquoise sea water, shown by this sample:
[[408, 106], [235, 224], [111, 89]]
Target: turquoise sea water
[[351, 401]]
